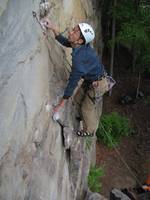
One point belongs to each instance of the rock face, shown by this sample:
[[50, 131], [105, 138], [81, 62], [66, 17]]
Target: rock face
[[39, 159]]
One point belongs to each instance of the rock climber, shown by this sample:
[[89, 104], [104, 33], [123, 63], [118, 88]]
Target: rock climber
[[85, 65]]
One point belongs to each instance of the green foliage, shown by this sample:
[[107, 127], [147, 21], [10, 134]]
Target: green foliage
[[112, 128], [124, 11], [133, 35], [145, 60], [94, 178], [132, 29], [147, 100]]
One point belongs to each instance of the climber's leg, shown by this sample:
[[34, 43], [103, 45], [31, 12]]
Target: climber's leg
[[78, 99], [90, 112]]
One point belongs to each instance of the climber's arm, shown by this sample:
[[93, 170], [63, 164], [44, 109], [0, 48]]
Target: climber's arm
[[72, 84], [74, 78], [58, 36], [59, 105], [51, 26]]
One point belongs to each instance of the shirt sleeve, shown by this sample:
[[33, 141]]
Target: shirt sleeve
[[63, 40], [74, 78]]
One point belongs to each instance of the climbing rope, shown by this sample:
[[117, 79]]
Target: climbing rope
[[121, 158]]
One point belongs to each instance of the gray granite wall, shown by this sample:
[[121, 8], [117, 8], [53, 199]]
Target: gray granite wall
[[36, 160]]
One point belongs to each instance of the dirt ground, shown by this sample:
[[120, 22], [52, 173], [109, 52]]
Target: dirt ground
[[134, 151]]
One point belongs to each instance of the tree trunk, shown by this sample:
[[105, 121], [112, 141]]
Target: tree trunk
[[134, 49], [113, 44], [134, 57], [136, 3], [138, 86]]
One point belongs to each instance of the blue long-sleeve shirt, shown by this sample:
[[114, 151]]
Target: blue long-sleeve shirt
[[85, 64]]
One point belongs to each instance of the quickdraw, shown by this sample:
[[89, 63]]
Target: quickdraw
[[42, 24], [44, 9]]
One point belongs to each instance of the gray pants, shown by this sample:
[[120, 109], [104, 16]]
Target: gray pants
[[90, 109]]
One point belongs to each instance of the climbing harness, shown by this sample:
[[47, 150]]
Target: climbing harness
[[121, 158], [111, 82]]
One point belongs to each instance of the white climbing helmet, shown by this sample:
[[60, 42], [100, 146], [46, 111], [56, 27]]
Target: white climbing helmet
[[87, 32]]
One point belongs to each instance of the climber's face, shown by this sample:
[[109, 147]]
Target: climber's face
[[74, 36]]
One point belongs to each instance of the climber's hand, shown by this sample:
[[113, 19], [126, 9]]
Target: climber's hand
[[47, 23], [59, 106]]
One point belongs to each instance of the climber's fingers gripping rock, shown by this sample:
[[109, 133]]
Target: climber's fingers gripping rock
[[48, 23]]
